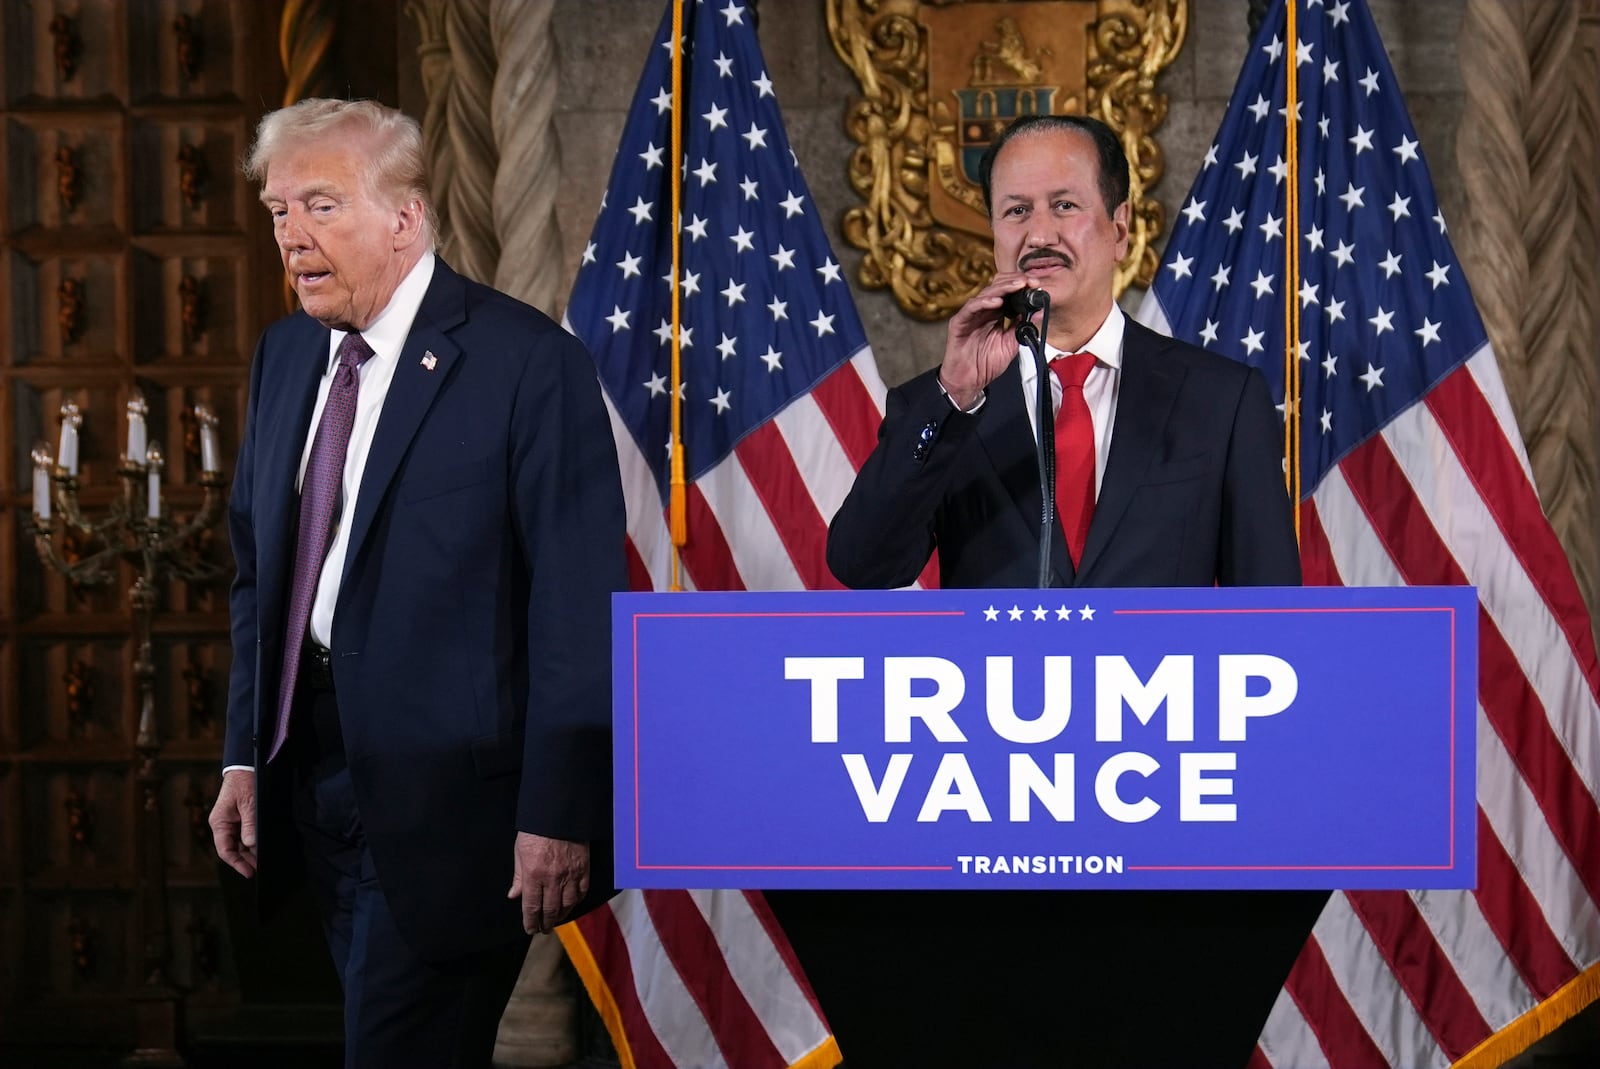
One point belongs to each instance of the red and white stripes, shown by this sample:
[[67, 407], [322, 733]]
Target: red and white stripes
[[1418, 979], [663, 959], [759, 519], [706, 978]]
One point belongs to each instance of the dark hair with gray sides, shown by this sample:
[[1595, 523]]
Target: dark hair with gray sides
[[1113, 160], [395, 162]]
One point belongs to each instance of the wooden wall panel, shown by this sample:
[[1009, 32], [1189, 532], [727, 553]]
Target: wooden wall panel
[[132, 256]]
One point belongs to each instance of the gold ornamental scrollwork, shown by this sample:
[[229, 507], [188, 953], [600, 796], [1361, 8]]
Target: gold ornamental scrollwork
[[939, 79]]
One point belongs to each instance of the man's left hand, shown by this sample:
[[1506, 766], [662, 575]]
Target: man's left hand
[[551, 876]]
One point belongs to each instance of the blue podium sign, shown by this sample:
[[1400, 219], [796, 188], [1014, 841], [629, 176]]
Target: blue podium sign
[[1225, 738]]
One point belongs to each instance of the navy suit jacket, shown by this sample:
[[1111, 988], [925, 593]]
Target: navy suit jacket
[[471, 636], [1193, 491]]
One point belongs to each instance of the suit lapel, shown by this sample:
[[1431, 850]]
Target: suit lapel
[[1007, 437], [1148, 390], [411, 394]]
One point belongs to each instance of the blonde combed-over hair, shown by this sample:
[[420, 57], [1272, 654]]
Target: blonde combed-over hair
[[393, 139]]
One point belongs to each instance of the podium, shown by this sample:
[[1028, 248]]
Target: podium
[[1045, 828], [1113, 740]]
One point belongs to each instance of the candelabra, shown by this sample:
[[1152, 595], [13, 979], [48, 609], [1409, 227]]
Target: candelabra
[[136, 529]]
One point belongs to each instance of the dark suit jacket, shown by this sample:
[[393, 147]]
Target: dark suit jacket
[[1193, 491], [471, 646]]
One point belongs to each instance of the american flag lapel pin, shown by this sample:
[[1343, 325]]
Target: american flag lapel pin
[[430, 361]]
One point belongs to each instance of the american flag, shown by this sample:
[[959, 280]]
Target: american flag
[[781, 403], [1413, 472]]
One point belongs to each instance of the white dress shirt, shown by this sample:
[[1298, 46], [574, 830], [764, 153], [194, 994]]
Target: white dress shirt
[[386, 336], [1100, 389]]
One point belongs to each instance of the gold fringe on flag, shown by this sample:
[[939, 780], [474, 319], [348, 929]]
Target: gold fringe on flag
[[1572, 997], [594, 982], [824, 1056]]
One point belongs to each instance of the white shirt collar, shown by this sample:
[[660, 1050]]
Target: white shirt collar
[[387, 333], [1105, 344]]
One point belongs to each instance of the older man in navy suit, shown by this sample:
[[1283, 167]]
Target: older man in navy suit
[[1168, 473], [428, 523]]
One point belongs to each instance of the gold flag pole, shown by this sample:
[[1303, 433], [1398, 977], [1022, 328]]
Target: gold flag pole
[[677, 500], [1291, 287]]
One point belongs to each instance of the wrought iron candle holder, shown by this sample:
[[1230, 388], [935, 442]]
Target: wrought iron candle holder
[[139, 529]]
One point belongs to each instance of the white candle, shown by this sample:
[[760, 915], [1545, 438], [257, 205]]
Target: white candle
[[155, 462], [136, 413], [208, 439], [41, 481], [71, 418]]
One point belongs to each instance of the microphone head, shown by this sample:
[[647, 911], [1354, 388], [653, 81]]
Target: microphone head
[[1020, 304]]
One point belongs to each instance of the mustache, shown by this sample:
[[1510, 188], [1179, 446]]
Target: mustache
[[1041, 255]]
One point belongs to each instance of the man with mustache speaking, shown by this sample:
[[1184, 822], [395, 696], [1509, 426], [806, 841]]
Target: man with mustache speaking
[[1168, 473]]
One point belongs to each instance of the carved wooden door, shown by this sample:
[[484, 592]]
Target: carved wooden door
[[132, 257]]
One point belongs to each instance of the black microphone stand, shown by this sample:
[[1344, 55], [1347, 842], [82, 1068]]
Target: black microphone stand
[[1044, 438]]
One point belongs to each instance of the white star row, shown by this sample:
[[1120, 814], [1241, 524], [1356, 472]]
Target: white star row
[[619, 320], [718, 115], [1343, 256], [1372, 377], [1246, 165], [743, 241], [722, 400], [1038, 612], [1181, 268], [1382, 322]]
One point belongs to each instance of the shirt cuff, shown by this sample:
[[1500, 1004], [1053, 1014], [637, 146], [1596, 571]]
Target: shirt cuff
[[983, 395], [237, 768]]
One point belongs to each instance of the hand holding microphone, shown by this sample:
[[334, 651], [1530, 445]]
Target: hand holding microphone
[[1021, 304], [979, 344]]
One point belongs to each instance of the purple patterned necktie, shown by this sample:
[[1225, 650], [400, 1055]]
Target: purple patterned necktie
[[319, 503]]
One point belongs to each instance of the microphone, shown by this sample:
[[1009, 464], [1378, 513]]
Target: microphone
[[1020, 304]]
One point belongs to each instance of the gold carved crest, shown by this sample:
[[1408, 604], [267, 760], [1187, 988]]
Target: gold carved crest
[[940, 78]]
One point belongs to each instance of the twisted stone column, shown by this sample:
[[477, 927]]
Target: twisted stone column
[[1531, 268], [1559, 399], [539, 1027], [526, 84], [434, 57], [305, 38], [1584, 339], [472, 247], [1494, 171]]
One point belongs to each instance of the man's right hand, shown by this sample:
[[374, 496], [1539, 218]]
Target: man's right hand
[[233, 821], [979, 345]]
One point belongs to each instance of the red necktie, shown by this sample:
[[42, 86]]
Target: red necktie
[[320, 491], [1074, 452]]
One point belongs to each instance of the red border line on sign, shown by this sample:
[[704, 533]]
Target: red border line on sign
[[800, 868], [1291, 868], [756, 615], [1269, 612], [636, 740], [637, 846], [1450, 802]]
